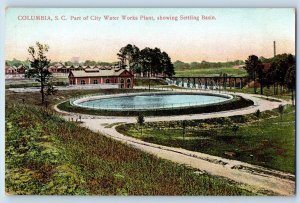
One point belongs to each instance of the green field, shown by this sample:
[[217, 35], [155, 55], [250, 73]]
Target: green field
[[285, 94], [146, 81], [48, 155], [267, 141], [23, 83], [211, 72]]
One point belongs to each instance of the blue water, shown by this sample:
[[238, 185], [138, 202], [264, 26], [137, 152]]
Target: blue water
[[152, 101]]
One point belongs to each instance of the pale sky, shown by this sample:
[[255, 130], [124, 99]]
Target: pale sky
[[235, 34]]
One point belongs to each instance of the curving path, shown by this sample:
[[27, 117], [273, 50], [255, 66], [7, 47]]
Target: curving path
[[251, 177]]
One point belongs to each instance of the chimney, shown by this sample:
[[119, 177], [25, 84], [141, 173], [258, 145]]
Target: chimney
[[274, 44]]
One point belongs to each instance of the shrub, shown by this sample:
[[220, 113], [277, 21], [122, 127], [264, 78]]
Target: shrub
[[257, 113]]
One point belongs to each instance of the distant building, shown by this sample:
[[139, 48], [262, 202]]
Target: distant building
[[96, 76], [10, 70], [13, 72], [60, 68]]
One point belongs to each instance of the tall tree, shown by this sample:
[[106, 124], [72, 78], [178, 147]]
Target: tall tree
[[129, 55], [156, 61], [39, 67], [149, 62], [261, 75], [168, 67], [146, 61], [251, 66], [290, 80], [271, 80], [280, 64]]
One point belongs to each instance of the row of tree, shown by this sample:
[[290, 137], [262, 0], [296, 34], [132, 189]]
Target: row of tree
[[179, 65], [147, 62], [26, 63], [16, 62], [279, 72]]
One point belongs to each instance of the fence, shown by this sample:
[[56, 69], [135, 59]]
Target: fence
[[214, 86]]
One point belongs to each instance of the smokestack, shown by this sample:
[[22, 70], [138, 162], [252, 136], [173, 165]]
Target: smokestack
[[274, 43]]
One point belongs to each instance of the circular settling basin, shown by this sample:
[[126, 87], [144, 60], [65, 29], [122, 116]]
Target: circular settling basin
[[150, 101]]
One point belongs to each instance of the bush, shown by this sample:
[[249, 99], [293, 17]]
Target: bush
[[257, 113]]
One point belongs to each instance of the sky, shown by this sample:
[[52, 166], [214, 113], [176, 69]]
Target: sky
[[233, 34]]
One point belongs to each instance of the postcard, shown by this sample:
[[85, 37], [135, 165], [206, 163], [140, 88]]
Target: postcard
[[150, 101]]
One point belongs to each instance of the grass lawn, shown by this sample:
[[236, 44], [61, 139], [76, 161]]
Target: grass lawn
[[267, 141], [286, 95], [48, 155], [22, 83], [211, 72], [145, 82]]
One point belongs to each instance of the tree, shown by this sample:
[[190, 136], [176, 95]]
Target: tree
[[14, 62], [251, 66], [130, 55], [141, 121], [290, 80], [67, 63], [146, 61], [179, 65], [157, 59], [90, 63], [39, 67], [167, 65], [271, 80], [279, 67], [261, 75]]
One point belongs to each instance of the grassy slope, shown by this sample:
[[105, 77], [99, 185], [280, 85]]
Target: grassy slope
[[268, 142], [211, 72], [47, 155]]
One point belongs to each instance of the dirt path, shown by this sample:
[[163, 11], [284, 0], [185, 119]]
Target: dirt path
[[252, 177]]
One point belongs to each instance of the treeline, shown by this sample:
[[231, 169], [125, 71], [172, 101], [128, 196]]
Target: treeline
[[147, 62], [179, 65], [279, 72], [16, 62]]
